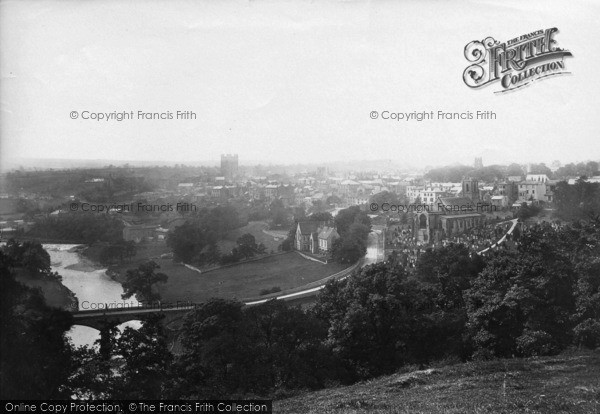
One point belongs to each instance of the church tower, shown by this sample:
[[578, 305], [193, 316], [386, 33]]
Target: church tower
[[470, 189]]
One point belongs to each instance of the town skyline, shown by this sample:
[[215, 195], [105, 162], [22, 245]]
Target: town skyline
[[292, 86], [342, 165]]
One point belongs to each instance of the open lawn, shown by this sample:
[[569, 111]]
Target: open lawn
[[286, 271], [244, 280], [568, 383]]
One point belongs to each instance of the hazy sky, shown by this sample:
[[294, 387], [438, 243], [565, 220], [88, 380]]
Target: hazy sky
[[288, 82]]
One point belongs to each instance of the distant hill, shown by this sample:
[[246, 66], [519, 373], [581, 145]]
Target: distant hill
[[55, 163]]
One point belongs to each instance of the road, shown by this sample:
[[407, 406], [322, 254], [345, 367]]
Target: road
[[493, 246]]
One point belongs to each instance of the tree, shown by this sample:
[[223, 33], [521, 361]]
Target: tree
[[31, 258], [354, 227], [346, 217], [246, 246], [299, 214], [130, 249], [324, 216], [288, 244], [450, 270], [514, 170], [375, 319], [136, 364], [35, 357], [333, 200], [140, 282], [578, 201], [453, 173], [81, 227], [540, 169], [385, 197], [522, 302], [288, 344], [278, 213], [347, 250], [583, 240], [146, 361], [213, 253], [187, 242], [261, 248], [526, 211], [204, 228], [215, 350]]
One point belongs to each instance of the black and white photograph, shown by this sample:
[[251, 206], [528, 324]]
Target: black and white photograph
[[299, 206]]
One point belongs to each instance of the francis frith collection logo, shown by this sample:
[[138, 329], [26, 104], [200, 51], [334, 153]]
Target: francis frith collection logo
[[516, 62]]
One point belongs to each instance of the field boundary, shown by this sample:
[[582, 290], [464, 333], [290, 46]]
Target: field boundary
[[342, 274], [314, 259], [255, 259]]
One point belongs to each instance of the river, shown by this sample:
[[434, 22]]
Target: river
[[93, 288]]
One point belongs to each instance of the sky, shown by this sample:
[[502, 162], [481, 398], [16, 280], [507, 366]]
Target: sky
[[288, 82]]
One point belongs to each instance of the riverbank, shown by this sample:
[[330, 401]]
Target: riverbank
[[55, 293]]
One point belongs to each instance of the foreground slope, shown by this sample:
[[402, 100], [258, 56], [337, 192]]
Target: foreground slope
[[567, 383]]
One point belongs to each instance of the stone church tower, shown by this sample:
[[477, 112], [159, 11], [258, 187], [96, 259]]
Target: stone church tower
[[470, 189]]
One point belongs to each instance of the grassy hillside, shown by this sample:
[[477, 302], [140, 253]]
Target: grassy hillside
[[568, 383]]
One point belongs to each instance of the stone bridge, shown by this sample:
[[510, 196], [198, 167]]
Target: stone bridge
[[99, 319]]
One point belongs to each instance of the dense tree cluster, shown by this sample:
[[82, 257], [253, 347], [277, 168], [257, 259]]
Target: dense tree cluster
[[136, 364], [455, 173], [141, 281], [35, 358], [109, 253], [195, 242], [353, 225], [571, 170], [386, 197], [551, 291], [537, 298], [578, 201], [120, 183], [29, 256], [246, 248], [528, 211], [491, 173], [79, 227]]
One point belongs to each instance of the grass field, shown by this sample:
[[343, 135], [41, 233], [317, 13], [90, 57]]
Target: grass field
[[568, 383], [242, 280]]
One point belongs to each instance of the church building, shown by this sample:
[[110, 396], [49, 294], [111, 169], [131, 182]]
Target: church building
[[450, 216]]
